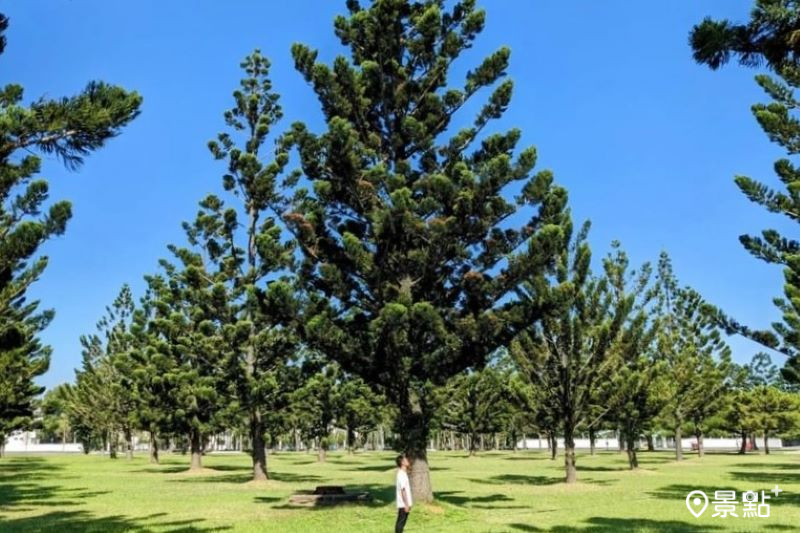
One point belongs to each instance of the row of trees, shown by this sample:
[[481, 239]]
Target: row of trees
[[651, 379], [625, 351]]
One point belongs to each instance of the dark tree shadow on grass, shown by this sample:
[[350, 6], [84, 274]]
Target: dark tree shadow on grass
[[338, 461], [454, 498], [267, 499], [83, 521], [770, 466], [582, 468], [284, 477], [304, 461], [27, 482], [373, 468], [24, 487], [614, 525], [185, 468], [232, 468], [28, 464], [287, 477], [605, 524], [171, 469], [522, 479], [527, 456], [519, 479], [771, 478]]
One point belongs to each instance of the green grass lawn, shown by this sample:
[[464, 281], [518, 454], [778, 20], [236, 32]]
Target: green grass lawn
[[492, 492]]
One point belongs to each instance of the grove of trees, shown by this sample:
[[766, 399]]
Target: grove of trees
[[402, 277]]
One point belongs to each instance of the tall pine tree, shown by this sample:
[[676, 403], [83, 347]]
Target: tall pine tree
[[637, 391], [103, 394], [570, 353], [247, 246], [190, 305], [696, 356], [403, 212]]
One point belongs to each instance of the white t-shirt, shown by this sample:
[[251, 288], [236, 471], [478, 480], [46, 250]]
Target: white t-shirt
[[403, 483]]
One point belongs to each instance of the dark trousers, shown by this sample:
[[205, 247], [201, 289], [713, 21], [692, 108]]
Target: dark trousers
[[402, 516]]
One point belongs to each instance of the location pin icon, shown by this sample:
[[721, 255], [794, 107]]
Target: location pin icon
[[693, 501]]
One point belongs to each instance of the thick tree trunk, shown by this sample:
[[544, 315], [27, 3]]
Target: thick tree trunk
[[678, 443], [420, 478], [196, 448], [553, 445], [473, 444], [650, 444], [633, 461], [569, 454], [766, 442], [153, 448], [351, 440], [699, 434], [321, 452], [112, 445], [128, 443], [413, 429], [592, 440], [743, 447], [754, 441], [259, 452]]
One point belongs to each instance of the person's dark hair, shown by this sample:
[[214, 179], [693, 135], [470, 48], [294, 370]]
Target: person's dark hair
[[399, 459]]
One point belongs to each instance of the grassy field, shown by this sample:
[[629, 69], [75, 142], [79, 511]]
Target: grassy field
[[492, 492]]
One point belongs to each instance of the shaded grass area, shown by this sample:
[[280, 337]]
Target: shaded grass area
[[508, 492]]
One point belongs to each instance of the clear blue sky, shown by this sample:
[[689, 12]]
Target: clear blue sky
[[646, 141]]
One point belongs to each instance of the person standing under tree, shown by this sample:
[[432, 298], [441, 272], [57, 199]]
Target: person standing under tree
[[403, 488]]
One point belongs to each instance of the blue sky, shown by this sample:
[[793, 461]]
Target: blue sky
[[646, 141]]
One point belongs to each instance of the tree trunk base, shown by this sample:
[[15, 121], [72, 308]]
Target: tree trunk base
[[420, 479]]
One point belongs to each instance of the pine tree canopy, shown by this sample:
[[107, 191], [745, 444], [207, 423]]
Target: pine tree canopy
[[772, 36]]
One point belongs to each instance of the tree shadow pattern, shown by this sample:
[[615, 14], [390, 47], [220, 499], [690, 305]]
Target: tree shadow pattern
[[26, 484]]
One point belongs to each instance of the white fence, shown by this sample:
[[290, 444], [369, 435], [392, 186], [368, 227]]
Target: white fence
[[613, 444], [26, 447], [600, 444], [724, 444]]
